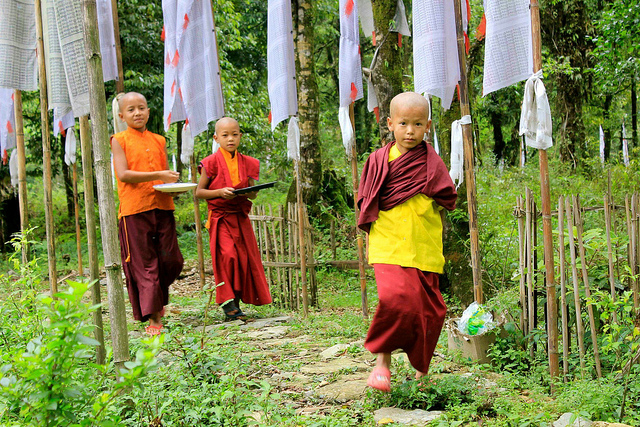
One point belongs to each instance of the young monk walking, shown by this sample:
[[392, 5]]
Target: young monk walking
[[149, 249], [403, 189], [237, 267]]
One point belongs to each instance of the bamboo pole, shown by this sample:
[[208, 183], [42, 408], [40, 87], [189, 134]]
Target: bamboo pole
[[469, 166], [22, 171], [361, 257], [92, 246], [563, 290], [198, 222], [46, 154], [545, 195], [116, 33], [303, 254], [607, 221], [276, 247], [585, 279], [283, 257], [576, 290], [76, 210], [521, 262], [529, 262], [108, 222], [635, 210]]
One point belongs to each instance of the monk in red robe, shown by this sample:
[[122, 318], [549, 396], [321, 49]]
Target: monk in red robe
[[404, 188], [237, 267]]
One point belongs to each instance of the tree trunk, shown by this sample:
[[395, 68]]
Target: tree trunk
[[308, 109], [106, 200], [606, 129], [386, 73]]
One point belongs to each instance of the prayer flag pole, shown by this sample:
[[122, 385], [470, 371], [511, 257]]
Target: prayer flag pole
[[116, 34], [22, 171], [303, 252], [108, 221], [76, 210], [46, 154], [354, 180], [469, 160], [92, 247], [545, 193]]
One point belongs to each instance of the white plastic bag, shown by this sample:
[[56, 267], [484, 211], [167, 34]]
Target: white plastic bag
[[476, 320]]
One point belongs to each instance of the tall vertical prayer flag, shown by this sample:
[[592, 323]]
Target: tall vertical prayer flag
[[365, 10], [192, 87], [7, 122], [601, 145], [350, 65], [508, 56], [625, 146], [107, 40], [19, 67], [62, 122], [283, 94], [435, 49]]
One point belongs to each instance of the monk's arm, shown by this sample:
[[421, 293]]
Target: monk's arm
[[203, 192], [125, 174]]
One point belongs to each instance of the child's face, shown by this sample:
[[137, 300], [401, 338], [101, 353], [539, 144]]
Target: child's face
[[408, 124], [134, 111], [228, 135]]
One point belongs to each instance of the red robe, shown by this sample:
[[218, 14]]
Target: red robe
[[411, 311], [237, 267]]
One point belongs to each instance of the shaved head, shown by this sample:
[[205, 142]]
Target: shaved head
[[409, 100], [226, 121], [129, 96]]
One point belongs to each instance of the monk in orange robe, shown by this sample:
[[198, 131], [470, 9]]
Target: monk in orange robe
[[149, 249], [404, 188], [237, 267]]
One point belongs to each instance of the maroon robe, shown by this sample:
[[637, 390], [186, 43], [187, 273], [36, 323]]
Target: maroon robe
[[237, 267], [411, 311], [151, 259]]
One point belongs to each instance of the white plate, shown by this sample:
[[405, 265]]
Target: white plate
[[176, 187]]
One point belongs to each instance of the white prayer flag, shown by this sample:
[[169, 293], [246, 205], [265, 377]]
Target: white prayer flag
[[188, 143], [535, 117], [293, 139], [457, 150], [601, 145], [119, 125], [436, 146], [70, 146], [57, 89], [348, 135], [365, 10], [400, 20], [62, 122], [281, 84], [7, 121], [508, 56], [435, 49], [192, 88], [350, 64], [107, 40], [19, 68], [13, 168]]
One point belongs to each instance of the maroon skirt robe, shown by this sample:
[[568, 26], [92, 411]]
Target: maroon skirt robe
[[151, 259], [411, 310], [237, 266]]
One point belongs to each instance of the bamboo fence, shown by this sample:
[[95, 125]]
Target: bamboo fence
[[276, 231], [619, 225]]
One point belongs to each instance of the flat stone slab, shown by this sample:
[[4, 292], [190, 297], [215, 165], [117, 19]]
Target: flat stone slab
[[349, 387], [263, 323], [333, 366], [417, 417], [280, 342], [269, 332], [565, 421], [334, 351]]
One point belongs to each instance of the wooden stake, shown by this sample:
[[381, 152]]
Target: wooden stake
[[198, 222], [545, 195], [303, 254], [108, 220], [522, 263], [22, 171], [116, 33], [76, 210], [607, 221], [46, 154], [361, 257], [635, 255], [92, 246], [529, 256], [585, 279], [469, 167], [574, 275], [563, 291]]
